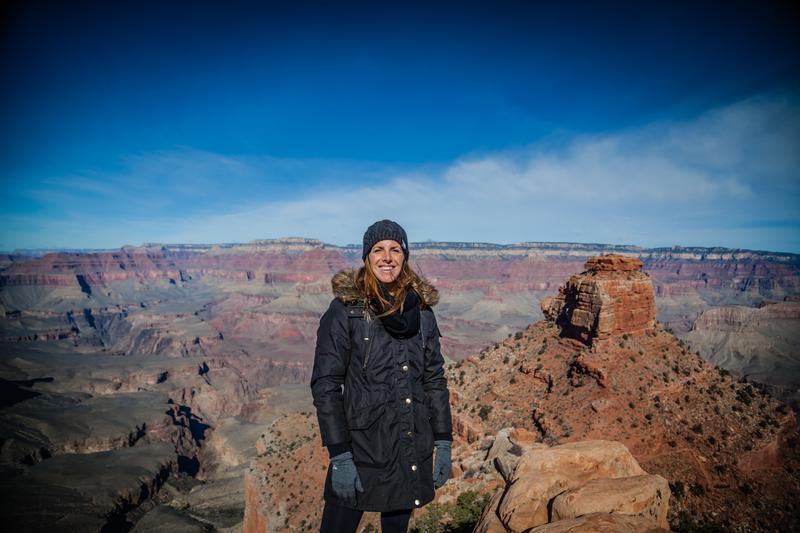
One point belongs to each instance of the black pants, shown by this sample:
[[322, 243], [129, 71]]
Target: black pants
[[337, 519]]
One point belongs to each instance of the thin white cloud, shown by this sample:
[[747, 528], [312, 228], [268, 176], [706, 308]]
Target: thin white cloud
[[729, 177]]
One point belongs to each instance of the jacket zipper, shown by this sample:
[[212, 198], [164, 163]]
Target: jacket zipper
[[368, 340]]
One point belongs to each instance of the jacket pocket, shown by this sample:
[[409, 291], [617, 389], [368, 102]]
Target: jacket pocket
[[364, 416], [372, 429]]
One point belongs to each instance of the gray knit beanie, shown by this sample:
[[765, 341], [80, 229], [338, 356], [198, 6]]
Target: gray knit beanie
[[381, 231]]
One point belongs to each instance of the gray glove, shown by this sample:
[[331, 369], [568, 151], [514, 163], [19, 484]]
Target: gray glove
[[443, 465], [344, 478]]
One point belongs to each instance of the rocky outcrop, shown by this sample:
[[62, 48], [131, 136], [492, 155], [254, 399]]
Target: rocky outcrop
[[646, 496], [601, 523], [283, 486], [613, 297], [549, 484], [73, 493]]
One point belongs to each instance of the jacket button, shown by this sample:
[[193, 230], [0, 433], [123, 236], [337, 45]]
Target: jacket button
[[414, 468], [408, 401], [405, 368], [416, 502], [409, 434]]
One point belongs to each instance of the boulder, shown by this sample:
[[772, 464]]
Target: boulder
[[489, 521], [543, 473], [601, 523], [508, 447], [646, 496]]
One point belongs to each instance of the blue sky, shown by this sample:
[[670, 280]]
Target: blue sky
[[648, 123]]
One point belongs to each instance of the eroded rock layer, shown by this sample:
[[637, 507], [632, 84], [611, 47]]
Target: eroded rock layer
[[611, 298]]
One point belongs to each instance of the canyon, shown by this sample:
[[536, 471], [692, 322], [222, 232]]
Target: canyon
[[185, 368]]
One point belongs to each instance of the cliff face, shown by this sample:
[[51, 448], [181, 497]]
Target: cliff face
[[611, 298], [266, 296], [759, 344]]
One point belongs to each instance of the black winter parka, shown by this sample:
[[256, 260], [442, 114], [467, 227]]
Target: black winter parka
[[384, 396]]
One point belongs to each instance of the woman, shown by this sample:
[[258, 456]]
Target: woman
[[380, 390]]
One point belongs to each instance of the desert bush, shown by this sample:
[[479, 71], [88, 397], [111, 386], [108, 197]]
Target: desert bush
[[459, 517], [697, 489], [676, 488], [687, 524]]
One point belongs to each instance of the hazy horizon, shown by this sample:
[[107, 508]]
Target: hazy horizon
[[350, 245]]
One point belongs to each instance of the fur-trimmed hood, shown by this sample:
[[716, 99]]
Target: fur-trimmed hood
[[346, 291]]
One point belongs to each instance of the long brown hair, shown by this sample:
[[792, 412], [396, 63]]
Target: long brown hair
[[408, 280]]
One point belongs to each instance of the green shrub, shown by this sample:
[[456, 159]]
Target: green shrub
[[459, 517], [430, 522], [468, 509]]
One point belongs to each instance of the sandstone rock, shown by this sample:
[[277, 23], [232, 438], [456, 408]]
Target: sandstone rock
[[508, 447], [522, 436], [543, 473], [466, 428], [611, 298], [590, 364], [646, 496], [613, 262], [489, 521], [256, 519], [601, 523]]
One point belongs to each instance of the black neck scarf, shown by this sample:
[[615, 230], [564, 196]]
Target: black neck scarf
[[400, 325]]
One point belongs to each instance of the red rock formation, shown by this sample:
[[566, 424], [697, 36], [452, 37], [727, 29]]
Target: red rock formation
[[611, 298], [283, 486]]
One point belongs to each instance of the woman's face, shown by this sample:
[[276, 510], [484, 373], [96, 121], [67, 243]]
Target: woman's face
[[386, 260]]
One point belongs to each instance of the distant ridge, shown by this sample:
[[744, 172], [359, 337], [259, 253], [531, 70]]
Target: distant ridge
[[710, 252]]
